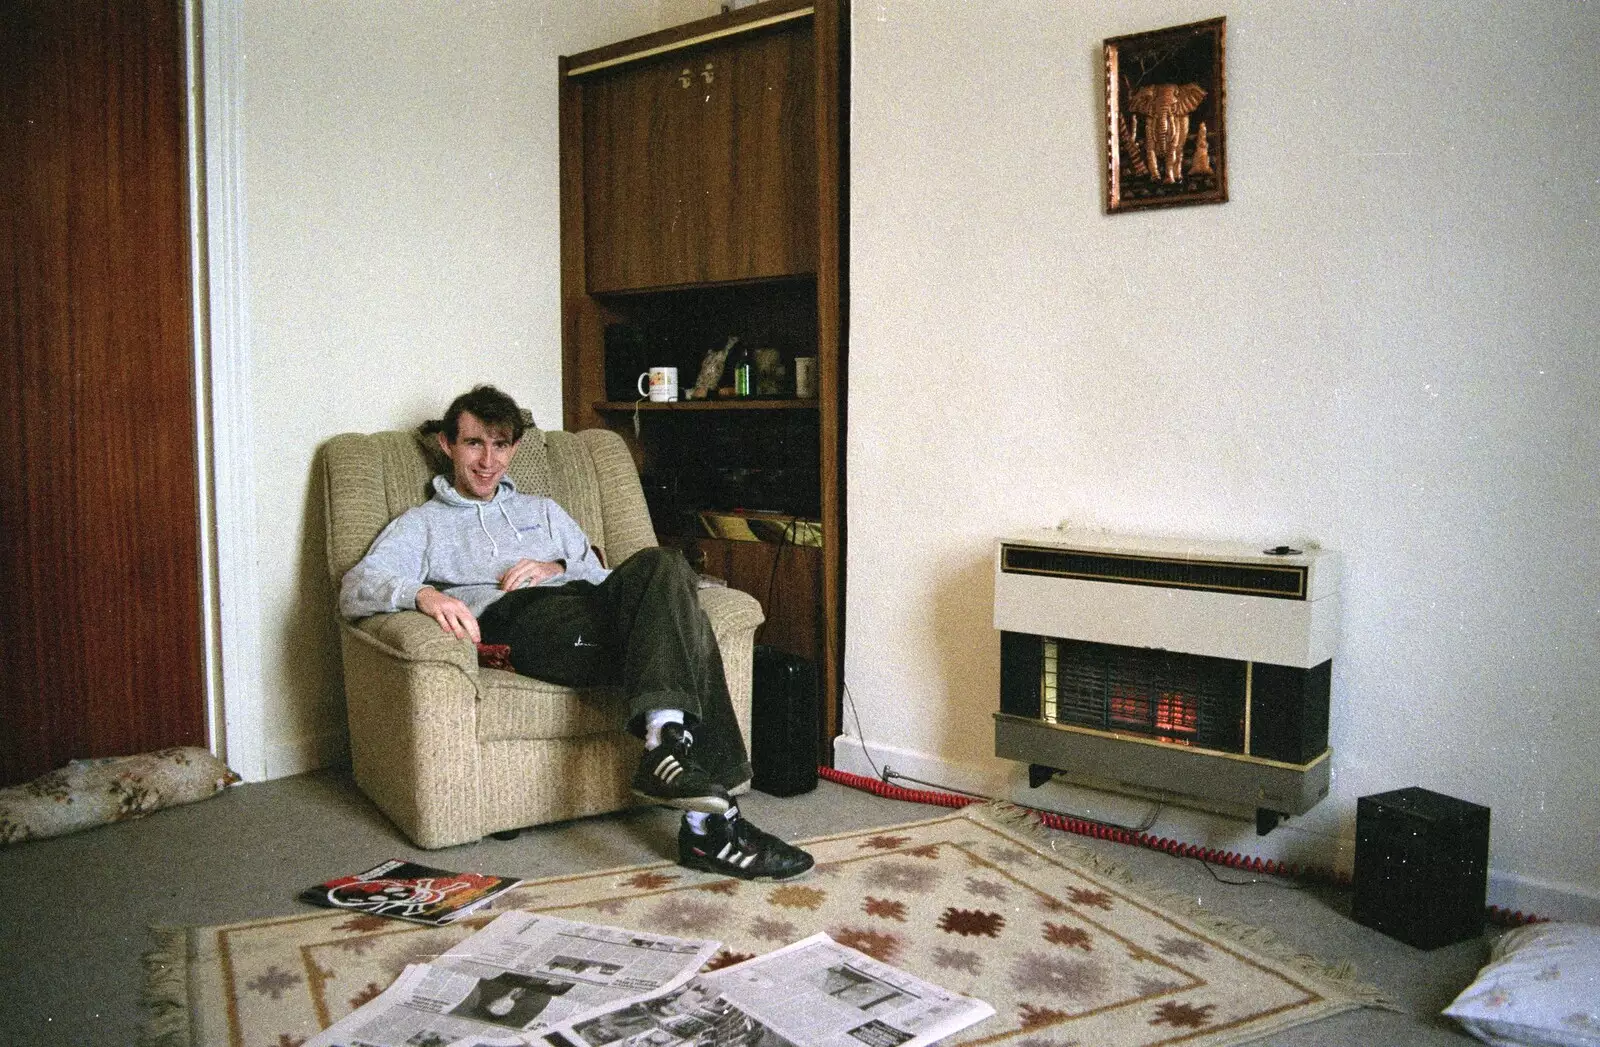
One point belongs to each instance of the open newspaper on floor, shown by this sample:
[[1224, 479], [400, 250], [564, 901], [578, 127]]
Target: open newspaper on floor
[[522, 972], [814, 993], [522, 980]]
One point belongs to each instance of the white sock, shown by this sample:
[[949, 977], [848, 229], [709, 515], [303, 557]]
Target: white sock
[[656, 719], [697, 819]]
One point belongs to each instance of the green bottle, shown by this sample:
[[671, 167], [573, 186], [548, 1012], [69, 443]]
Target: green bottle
[[741, 372]]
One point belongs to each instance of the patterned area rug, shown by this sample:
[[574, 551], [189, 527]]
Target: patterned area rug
[[1063, 947]]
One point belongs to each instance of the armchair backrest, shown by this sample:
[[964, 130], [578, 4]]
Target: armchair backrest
[[371, 478]]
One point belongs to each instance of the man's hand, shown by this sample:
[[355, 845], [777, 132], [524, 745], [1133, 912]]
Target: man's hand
[[529, 572], [452, 615]]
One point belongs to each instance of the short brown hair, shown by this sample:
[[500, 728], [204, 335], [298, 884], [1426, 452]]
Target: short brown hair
[[490, 406]]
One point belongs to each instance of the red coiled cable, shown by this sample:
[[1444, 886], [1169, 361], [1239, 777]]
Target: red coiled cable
[[1083, 827]]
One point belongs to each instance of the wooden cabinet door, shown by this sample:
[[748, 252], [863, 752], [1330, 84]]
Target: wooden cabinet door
[[785, 579], [759, 170], [635, 175], [699, 166]]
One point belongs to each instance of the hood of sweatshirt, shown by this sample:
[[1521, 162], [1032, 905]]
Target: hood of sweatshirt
[[446, 492]]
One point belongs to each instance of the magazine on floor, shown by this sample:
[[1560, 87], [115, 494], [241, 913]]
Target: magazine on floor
[[541, 981], [522, 972], [408, 891]]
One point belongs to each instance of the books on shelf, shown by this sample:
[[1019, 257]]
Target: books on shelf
[[408, 891]]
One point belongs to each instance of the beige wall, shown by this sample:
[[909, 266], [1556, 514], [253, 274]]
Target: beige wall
[[1384, 341], [399, 164]]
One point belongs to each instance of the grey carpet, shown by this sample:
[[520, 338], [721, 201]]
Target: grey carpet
[[78, 907]]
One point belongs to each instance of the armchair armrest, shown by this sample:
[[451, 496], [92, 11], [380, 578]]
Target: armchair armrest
[[731, 611], [734, 617], [412, 636], [411, 698]]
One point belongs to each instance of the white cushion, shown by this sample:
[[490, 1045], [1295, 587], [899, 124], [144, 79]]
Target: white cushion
[[1541, 988]]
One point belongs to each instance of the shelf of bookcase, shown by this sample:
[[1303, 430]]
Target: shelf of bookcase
[[751, 404]]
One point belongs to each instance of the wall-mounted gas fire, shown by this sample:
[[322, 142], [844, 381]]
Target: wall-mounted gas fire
[[1196, 672]]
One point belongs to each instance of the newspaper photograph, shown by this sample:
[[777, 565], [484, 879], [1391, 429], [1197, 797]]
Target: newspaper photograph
[[814, 993], [519, 974]]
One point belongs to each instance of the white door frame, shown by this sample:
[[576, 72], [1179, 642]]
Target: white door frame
[[219, 271]]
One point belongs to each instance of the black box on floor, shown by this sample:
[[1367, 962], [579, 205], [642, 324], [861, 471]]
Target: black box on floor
[[1422, 866], [784, 723]]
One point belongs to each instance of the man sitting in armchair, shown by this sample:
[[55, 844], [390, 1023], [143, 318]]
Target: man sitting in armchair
[[496, 566]]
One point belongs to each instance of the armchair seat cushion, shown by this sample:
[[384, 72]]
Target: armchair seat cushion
[[513, 708]]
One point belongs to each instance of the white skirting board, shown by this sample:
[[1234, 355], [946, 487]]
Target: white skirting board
[[1291, 842]]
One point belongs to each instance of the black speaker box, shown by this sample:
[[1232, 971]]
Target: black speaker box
[[1422, 866], [784, 723]]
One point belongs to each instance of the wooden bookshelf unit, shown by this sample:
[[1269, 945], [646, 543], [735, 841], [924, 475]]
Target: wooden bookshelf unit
[[702, 198]]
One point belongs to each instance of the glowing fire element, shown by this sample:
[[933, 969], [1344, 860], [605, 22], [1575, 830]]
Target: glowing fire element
[[1177, 717], [1173, 717]]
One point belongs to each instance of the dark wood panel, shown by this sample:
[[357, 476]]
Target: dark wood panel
[[784, 578], [633, 176], [833, 328], [770, 225], [98, 503], [679, 406], [699, 165], [582, 317]]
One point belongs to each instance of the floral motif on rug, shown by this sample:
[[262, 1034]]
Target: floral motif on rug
[[1064, 948]]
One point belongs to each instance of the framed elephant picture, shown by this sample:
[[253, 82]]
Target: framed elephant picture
[[1166, 139]]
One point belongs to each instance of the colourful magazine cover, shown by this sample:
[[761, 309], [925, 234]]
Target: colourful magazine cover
[[409, 891]]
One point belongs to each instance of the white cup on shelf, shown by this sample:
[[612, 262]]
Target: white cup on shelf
[[662, 385]]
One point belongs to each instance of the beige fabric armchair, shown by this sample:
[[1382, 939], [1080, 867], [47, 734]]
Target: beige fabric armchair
[[451, 751]]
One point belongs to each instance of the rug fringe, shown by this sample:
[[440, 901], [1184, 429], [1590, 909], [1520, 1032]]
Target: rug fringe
[[166, 990], [1341, 978], [1020, 820]]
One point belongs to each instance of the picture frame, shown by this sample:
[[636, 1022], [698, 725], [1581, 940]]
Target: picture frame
[[1166, 107]]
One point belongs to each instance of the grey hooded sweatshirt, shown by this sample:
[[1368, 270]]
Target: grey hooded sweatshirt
[[462, 547]]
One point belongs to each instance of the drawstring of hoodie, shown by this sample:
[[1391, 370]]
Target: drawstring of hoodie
[[447, 493], [484, 526]]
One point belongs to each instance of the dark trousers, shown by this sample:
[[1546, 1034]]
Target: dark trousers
[[641, 628]]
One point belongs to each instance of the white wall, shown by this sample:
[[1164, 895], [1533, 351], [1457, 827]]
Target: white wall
[[395, 174], [399, 163], [1385, 341], [1382, 341]]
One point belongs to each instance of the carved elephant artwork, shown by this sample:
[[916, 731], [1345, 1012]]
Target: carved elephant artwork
[[1166, 109]]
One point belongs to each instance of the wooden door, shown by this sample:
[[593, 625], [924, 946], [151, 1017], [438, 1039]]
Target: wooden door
[[100, 638]]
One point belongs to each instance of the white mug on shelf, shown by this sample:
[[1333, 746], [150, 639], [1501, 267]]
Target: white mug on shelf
[[663, 384]]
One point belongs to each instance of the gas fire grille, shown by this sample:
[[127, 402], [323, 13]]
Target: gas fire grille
[[1182, 699], [1277, 581]]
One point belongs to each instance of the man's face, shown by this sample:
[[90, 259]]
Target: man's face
[[481, 454]]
